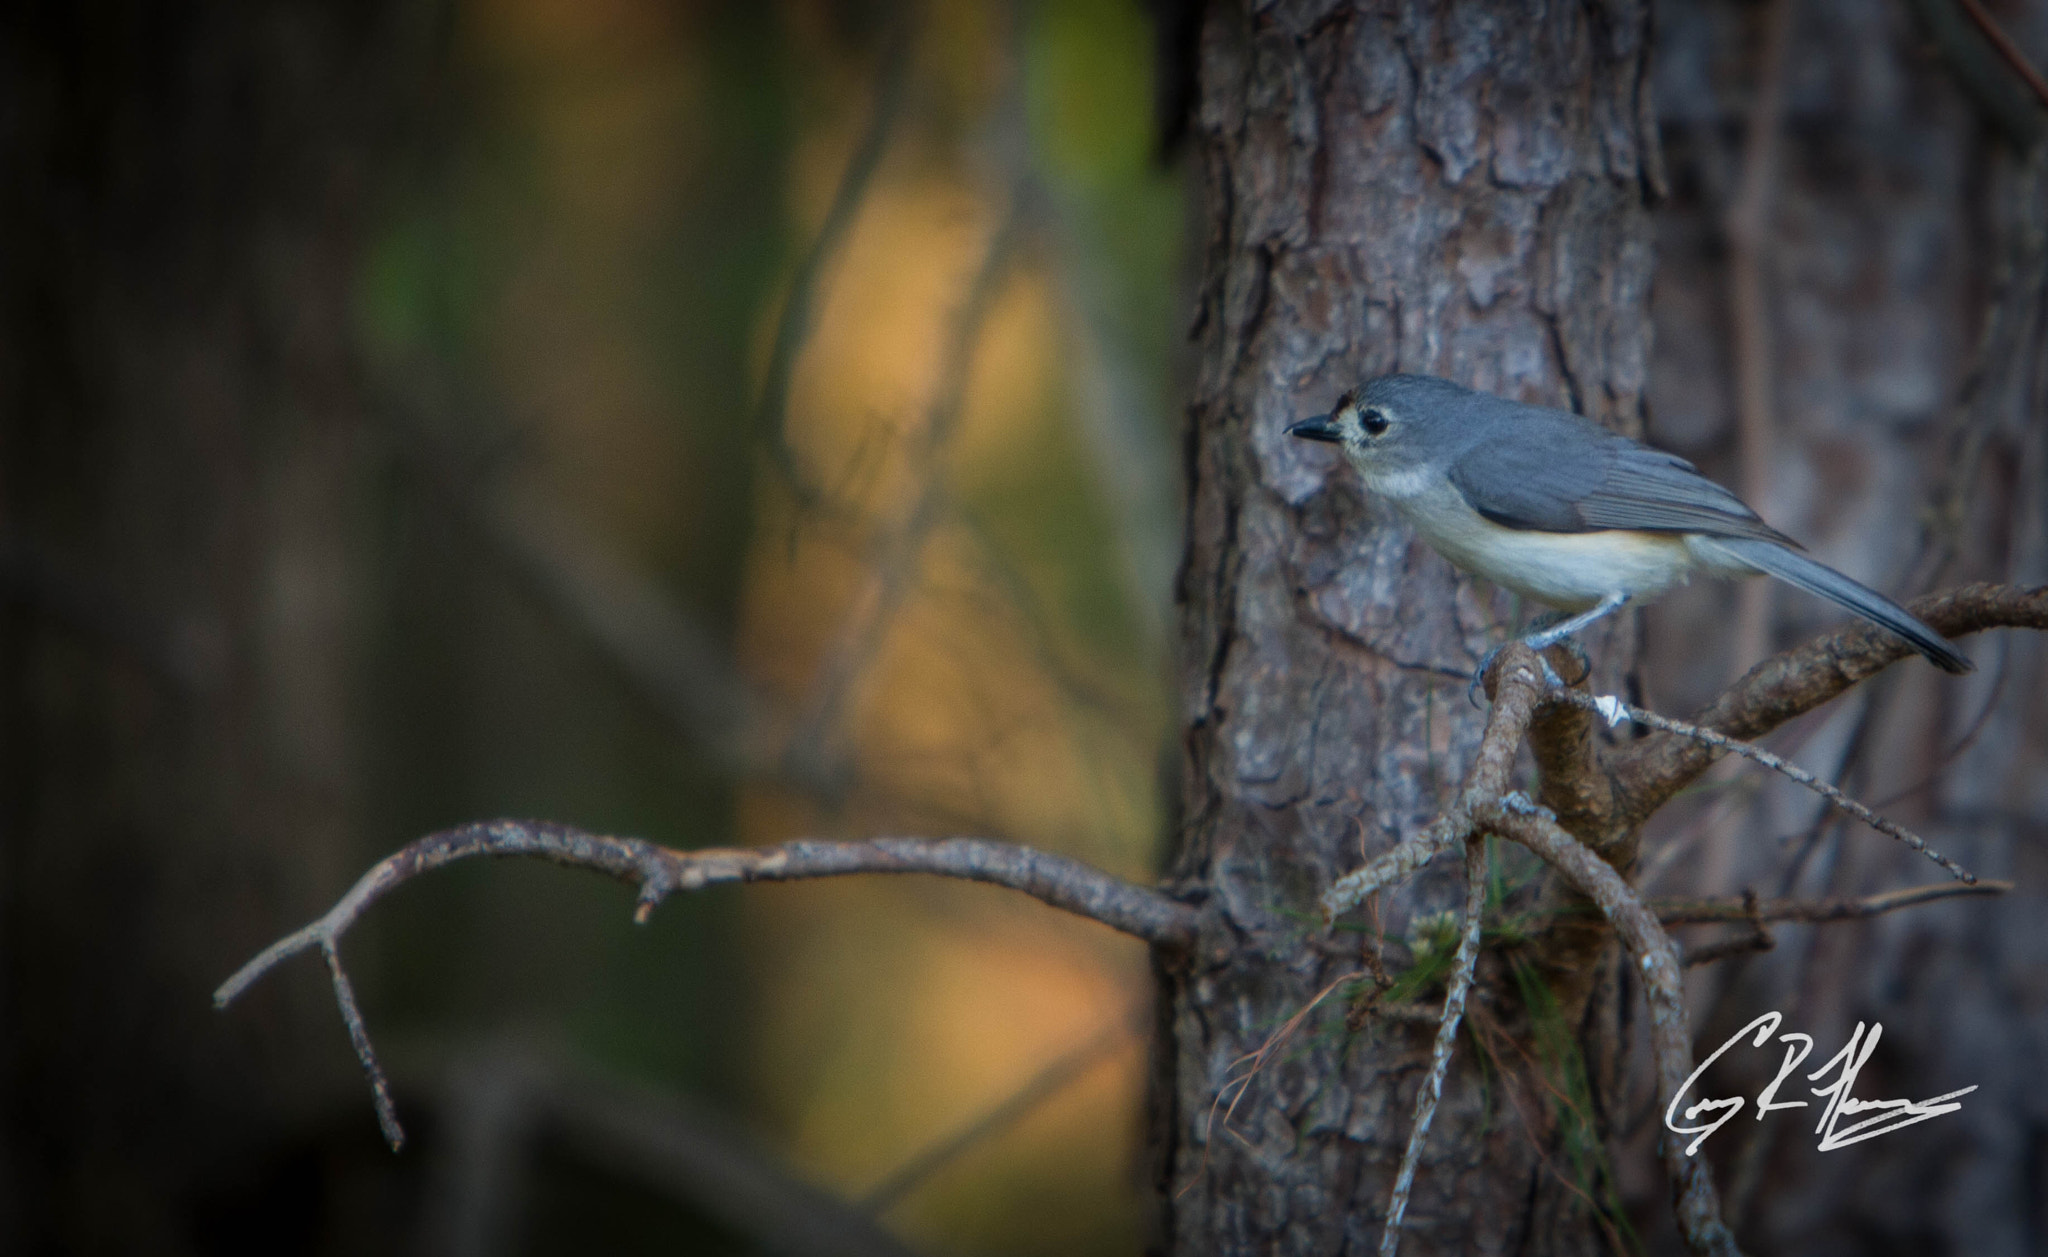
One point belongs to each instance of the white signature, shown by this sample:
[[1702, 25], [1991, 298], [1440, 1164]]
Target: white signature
[[1887, 1115]]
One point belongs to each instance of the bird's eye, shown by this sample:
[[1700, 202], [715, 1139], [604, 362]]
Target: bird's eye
[[1375, 422]]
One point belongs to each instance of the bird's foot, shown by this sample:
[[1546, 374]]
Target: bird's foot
[[1555, 633], [1491, 657]]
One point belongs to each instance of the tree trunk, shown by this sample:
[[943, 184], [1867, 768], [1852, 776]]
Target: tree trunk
[[1461, 192]]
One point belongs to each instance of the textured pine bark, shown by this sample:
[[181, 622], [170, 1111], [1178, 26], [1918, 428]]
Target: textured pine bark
[[1460, 190]]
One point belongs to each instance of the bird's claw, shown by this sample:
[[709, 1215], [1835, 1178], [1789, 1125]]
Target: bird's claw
[[1486, 662]]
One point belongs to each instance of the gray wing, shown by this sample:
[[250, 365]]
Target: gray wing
[[1612, 482]]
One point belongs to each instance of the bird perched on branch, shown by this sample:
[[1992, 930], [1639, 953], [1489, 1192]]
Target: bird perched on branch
[[1560, 510]]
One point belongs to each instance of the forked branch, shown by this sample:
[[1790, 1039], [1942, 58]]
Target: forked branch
[[1517, 689], [1485, 805], [659, 871], [1656, 959]]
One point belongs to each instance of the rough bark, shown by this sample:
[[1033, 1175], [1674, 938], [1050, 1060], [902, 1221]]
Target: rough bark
[[1462, 191]]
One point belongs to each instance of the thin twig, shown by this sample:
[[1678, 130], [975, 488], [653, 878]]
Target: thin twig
[[1036, 624], [665, 651], [1828, 822], [1758, 939], [1648, 772], [1774, 691], [1814, 911], [1607, 705], [1255, 1062], [1395, 864], [2014, 57], [1462, 970], [659, 871], [1727, 796], [1496, 1036], [1994, 695], [793, 328], [1657, 961], [2007, 352], [358, 1038], [1117, 414], [1517, 685], [38, 581], [1983, 74]]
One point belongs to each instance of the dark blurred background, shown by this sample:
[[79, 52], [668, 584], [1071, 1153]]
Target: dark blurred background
[[721, 422]]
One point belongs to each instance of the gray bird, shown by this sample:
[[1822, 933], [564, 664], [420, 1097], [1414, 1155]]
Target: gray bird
[[1559, 509]]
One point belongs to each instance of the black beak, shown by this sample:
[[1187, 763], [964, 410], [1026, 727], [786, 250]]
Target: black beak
[[1314, 428]]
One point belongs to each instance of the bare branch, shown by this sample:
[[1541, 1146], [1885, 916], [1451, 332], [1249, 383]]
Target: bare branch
[[358, 1038], [1431, 1091], [1889, 828], [658, 871], [1720, 911], [180, 653], [658, 644], [2014, 57], [1983, 74], [1572, 783], [1517, 686], [1117, 416], [663, 650], [1757, 940], [1352, 889], [1757, 913], [2010, 346], [1803, 678], [1485, 805], [1657, 960], [657, 1138], [771, 416]]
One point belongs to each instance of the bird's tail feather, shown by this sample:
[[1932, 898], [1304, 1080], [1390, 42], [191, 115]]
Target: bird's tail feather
[[1817, 578]]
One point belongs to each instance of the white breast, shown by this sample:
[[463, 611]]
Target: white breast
[[1569, 571]]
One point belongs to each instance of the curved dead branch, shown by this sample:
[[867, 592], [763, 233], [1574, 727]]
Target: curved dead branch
[[659, 871], [1791, 684]]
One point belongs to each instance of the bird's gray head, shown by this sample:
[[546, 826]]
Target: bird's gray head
[[1395, 423]]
